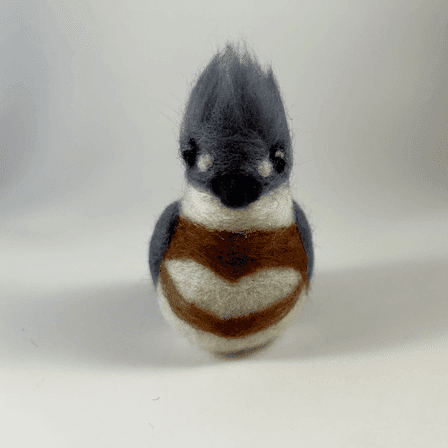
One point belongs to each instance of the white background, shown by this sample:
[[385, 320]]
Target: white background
[[91, 99]]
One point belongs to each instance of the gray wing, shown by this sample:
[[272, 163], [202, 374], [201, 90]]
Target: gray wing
[[305, 235], [161, 238]]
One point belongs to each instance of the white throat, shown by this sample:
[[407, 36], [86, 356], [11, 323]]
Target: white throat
[[272, 211]]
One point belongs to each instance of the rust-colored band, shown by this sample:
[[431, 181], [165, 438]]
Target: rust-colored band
[[234, 255], [232, 328]]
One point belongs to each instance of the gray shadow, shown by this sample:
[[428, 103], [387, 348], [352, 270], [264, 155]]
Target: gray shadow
[[370, 308], [115, 324], [361, 309]]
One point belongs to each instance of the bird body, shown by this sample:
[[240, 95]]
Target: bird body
[[232, 260]]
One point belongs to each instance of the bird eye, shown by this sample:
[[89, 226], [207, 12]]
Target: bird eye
[[190, 154], [276, 155]]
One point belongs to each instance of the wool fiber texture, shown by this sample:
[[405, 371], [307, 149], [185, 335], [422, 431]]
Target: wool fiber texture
[[228, 346], [233, 259], [235, 116], [233, 256]]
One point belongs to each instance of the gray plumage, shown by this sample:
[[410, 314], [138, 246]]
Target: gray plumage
[[235, 114]]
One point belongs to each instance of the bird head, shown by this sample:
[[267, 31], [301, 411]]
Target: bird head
[[234, 137]]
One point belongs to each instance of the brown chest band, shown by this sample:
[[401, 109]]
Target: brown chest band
[[233, 256]]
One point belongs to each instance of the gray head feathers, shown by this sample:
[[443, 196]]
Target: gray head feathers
[[234, 133]]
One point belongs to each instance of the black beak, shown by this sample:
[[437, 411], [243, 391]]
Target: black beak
[[236, 190]]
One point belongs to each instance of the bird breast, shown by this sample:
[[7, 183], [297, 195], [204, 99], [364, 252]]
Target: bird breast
[[199, 285]]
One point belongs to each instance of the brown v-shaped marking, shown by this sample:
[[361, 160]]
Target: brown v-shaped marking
[[231, 328], [233, 255]]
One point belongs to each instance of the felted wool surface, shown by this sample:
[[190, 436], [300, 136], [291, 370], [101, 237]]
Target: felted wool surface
[[219, 345], [233, 290], [234, 137], [273, 210], [232, 260]]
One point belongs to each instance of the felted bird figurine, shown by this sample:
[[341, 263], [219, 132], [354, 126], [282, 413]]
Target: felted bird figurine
[[233, 259]]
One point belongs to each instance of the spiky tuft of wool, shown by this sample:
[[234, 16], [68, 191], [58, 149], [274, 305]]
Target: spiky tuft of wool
[[236, 115]]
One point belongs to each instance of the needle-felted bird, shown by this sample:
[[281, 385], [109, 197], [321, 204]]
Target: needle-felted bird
[[232, 260]]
